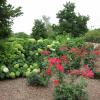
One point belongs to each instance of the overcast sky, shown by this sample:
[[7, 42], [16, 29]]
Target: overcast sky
[[34, 9]]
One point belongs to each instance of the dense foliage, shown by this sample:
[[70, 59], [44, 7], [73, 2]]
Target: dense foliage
[[70, 22]]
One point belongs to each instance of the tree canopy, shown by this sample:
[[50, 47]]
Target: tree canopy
[[7, 14], [70, 22]]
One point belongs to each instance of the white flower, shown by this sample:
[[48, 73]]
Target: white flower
[[49, 46], [52, 49], [40, 40], [36, 70], [5, 69], [68, 38]]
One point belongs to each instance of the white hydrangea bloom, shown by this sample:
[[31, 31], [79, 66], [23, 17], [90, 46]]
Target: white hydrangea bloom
[[5, 69], [52, 49], [68, 38]]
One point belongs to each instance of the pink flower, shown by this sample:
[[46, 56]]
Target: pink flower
[[90, 74], [48, 71], [82, 73], [45, 52], [73, 49], [85, 65], [56, 82], [87, 73], [64, 58], [96, 52]]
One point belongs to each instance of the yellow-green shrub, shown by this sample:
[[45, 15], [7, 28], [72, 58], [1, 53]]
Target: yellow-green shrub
[[93, 36]]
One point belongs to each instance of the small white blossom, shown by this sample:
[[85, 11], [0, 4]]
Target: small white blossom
[[68, 38], [5, 69], [52, 49]]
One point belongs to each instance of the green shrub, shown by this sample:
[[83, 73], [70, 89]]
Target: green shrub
[[63, 38], [93, 36], [69, 41], [21, 35], [70, 91], [76, 42], [38, 79]]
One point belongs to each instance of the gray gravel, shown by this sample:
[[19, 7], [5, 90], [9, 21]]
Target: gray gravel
[[19, 90]]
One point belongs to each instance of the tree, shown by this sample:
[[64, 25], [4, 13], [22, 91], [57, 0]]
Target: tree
[[38, 30], [56, 29], [7, 14], [48, 26], [70, 22]]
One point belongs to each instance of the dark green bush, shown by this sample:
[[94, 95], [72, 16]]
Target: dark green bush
[[37, 79], [93, 36]]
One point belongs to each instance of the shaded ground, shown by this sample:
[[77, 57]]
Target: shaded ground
[[19, 90]]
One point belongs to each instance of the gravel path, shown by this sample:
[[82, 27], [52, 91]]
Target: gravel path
[[19, 90], [93, 89]]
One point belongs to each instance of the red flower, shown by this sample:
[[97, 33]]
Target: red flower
[[56, 82], [64, 58], [85, 65], [82, 73], [53, 61], [73, 49], [87, 72], [60, 67], [48, 71], [96, 52]]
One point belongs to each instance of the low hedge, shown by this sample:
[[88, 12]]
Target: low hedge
[[93, 36]]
